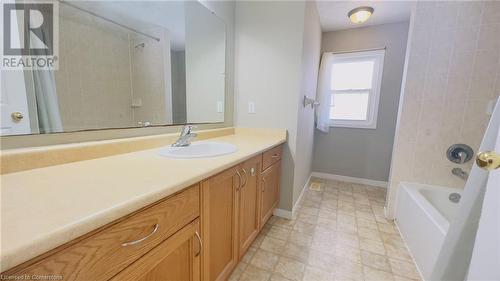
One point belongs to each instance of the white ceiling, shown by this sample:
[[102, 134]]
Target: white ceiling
[[333, 14]]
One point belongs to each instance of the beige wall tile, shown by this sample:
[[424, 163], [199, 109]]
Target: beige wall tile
[[447, 91]]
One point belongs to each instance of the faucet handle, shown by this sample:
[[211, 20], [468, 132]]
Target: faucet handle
[[461, 157], [459, 153], [186, 129]]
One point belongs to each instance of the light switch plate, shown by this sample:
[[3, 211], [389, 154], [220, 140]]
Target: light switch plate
[[251, 107]]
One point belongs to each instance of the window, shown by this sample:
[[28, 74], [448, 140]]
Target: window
[[355, 85]]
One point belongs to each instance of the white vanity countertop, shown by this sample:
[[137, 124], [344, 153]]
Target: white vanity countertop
[[47, 207]]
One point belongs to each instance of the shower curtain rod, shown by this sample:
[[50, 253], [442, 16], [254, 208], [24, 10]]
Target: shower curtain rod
[[108, 20], [355, 51]]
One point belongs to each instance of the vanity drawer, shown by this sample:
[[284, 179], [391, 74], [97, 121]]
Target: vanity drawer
[[271, 156], [110, 250]]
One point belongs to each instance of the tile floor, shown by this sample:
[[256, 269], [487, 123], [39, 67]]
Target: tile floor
[[339, 233]]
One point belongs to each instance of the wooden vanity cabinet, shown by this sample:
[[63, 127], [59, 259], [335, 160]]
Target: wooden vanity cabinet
[[249, 203], [270, 183], [232, 215], [103, 253], [175, 259], [219, 219], [199, 233]]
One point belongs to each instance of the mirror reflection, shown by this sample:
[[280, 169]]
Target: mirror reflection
[[124, 64]]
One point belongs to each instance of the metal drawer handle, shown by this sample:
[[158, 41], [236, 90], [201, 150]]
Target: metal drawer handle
[[199, 240], [275, 155], [142, 239], [246, 177], [263, 184], [239, 179]]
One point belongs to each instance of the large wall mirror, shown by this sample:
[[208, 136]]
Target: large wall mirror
[[123, 64]]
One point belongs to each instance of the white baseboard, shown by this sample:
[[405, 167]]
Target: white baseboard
[[301, 196], [386, 214], [283, 214], [290, 214], [349, 179]]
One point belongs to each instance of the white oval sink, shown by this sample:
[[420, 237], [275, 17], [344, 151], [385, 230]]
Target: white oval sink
[[200, 149]]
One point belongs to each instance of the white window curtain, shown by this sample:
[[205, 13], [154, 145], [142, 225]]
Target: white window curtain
[[324, 93]]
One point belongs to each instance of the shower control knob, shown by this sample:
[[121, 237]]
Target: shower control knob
[[17, 116], [488, 160], [459, 153]]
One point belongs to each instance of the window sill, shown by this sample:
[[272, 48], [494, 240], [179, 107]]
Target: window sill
[[354, 126]]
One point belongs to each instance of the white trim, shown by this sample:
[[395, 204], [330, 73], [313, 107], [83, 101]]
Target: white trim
[[283, 214], [387, 215], [374, 91], [349, 179], [301, 196], [290, 214]]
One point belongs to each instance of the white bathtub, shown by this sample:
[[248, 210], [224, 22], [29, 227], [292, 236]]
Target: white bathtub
[[423, 215]]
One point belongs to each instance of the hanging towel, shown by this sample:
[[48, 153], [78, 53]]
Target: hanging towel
[[324, 93]]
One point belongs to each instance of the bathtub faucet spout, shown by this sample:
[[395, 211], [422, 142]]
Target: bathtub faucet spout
[[460, 173]]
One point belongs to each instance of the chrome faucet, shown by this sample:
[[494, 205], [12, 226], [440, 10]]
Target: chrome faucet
[[185, 136], [460, 173]]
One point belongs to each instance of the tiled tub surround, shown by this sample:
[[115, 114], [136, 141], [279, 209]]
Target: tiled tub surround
[[83, 88], [47, 207], [339, 233], [452, 75]]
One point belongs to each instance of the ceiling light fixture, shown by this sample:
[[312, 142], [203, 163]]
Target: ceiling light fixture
[[360, 14]]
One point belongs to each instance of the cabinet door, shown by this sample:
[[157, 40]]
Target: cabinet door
[[219, 224], [270, 184], [176, 258], [249, 203]]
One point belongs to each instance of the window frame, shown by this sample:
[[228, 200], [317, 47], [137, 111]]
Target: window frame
[[374, 92]]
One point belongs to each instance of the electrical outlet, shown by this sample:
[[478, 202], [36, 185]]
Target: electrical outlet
[[251, 107], [220, 107]]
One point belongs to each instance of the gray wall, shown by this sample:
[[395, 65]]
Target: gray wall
[[305, 121], [273, 66], [365, 153]]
